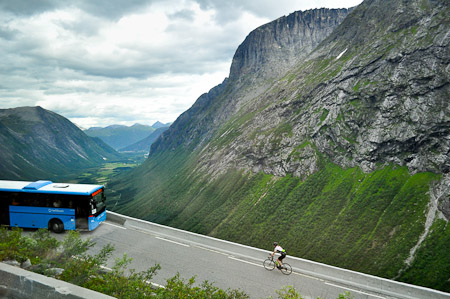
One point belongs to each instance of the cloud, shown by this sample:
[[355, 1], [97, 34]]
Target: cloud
[[27, 8], [110, 61], [233, 9]]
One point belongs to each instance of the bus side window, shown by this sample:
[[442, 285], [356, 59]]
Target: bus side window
[[27, 201], [16, 199], [57, 203]]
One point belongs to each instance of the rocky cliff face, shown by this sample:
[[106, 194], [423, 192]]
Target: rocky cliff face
[[268, 52], [271, 49], [375, 92], [39, 144]]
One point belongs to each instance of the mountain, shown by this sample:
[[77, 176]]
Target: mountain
[[39, 144], [119, 136], [159, 124], [144, 144], [331, 135]]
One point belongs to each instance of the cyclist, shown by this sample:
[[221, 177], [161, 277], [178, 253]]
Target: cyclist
[[278, 249]]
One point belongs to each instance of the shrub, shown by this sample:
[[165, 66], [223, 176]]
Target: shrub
[[88, 271]]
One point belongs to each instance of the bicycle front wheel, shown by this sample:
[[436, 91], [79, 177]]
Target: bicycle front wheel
[[269, 264], [286, 269]]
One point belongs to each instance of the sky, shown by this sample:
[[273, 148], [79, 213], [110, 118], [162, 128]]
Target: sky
[[107, 62]]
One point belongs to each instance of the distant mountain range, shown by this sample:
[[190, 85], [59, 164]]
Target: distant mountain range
[[144, 144], [132, 138], [39, 144]]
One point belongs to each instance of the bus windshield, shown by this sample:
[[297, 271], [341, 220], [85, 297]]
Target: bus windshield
[[98, 202]]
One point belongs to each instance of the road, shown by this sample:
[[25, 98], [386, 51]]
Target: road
[[223, 268]]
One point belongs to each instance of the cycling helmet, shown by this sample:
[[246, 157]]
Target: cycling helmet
[[275, 243]]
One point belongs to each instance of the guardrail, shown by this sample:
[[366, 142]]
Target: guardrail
[[19, 283], [341, 276]]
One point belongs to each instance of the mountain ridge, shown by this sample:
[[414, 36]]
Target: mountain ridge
[[145, 144], [213, 108], [39, 144], [121, 137]]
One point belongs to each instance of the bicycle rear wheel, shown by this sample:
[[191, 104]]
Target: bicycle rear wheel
[[286, 269], [269, 264]]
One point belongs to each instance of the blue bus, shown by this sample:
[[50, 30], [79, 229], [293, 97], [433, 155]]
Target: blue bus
[[56, 206]]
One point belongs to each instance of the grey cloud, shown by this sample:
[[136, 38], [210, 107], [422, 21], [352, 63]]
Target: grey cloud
[[6, 33], [185, 14], [113, 9], [38, 57], [108, 9], [226, 11], [185, 59], [232, 9], [27, 8], [37, 67], [88, 26]]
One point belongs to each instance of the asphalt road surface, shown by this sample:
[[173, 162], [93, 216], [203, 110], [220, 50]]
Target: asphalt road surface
[[222, 268]]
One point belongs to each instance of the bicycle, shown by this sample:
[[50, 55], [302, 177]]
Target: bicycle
[[269, 264]]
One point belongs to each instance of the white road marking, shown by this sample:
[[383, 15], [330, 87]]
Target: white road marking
[[242, 261], [353, 290], [308, 276], [260, 265], [115, 225], [175, 242], [157, 237], [212, 250], [138, 229]]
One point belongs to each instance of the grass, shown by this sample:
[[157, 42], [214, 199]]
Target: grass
[[324, 114], [102, 174], [366, 222]]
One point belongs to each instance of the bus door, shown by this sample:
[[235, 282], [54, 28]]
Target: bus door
[[6, 199], [81, 204]]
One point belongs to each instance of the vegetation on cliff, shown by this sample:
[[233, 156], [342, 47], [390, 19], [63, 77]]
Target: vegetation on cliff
[[366, 222]]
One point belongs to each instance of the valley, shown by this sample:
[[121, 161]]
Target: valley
[[104, 172]]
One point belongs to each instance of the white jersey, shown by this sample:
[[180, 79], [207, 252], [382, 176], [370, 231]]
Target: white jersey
[[279, 249]]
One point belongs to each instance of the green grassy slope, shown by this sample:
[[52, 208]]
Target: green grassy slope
[[342, 217]]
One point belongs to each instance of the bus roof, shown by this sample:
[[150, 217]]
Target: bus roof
[[48, 187]]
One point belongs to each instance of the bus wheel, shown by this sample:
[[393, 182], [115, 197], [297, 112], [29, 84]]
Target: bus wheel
[[56, 225]]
